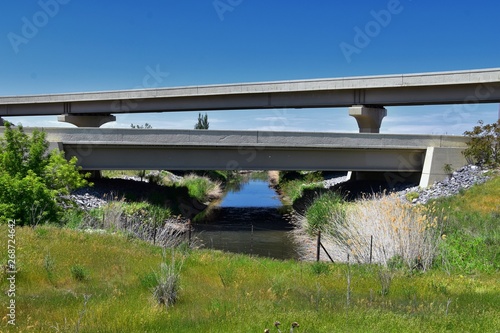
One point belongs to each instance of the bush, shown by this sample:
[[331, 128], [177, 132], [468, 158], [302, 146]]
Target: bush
[[484, 144], [166, 289], [33, 181], [410, 196], [79, 273], [401, 232], [329, 206]]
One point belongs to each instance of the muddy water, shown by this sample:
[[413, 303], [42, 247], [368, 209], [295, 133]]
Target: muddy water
[[249, 221]]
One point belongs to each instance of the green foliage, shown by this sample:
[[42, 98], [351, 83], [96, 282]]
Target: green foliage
[[320, 267], [448, 169], [484, 145], [410, 196], [33, 181], [293, 184], [323, 210], [201, 188], [202, 122], [26, 199], [79, 273]]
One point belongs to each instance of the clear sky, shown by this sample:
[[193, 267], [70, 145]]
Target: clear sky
[[56, 46]]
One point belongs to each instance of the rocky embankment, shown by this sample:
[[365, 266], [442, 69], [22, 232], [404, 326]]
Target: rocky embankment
[[460, 179], [463, 178]]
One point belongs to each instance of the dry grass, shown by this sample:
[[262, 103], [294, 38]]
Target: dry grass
[[400, 232], [274, 177]]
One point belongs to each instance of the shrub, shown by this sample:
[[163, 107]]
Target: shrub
[[399, 230], [33, 181], [166, 289], [410, 196], [329, 206], [79, 273], [483, 147]]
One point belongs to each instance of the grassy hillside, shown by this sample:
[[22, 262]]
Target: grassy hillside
[[229, 293], [473, 229], [74, 281]]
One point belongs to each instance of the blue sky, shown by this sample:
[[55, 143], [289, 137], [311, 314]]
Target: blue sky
[[56, 46]]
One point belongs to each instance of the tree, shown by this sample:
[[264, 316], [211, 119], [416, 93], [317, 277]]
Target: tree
[[483, 147], [33, 181], [145, 126], [202, 122]]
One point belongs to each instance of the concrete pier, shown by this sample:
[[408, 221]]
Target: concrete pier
[[369, 118]]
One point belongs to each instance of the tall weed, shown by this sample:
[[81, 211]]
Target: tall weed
[[167, 285], [398, 229]]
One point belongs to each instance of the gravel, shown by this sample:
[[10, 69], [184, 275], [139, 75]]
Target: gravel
[[461, 179]]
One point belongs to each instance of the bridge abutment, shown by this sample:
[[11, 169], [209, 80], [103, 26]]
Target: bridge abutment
[[86, 120], [438, 162], [369, 118]]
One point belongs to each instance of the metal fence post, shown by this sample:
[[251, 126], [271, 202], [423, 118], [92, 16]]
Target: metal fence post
[[371, 248], [318, 246]]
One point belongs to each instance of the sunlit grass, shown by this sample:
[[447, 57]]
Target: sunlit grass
[[230, 293], [202, 188]]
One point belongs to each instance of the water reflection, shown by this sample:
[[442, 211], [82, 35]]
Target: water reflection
[[249, 221]]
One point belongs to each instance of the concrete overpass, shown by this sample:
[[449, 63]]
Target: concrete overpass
[[397, 158], [365, 96]]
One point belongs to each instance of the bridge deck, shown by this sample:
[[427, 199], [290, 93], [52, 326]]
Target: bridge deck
[[475, 86]]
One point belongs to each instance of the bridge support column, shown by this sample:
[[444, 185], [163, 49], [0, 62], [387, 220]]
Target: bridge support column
[[96, 120], [437, 162], [2, 121], [369, 118]]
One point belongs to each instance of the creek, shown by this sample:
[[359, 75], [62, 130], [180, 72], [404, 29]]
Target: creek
[[248, 220]]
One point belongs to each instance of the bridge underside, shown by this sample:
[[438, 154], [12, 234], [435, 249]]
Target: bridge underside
[[398, 158], [113, 157]]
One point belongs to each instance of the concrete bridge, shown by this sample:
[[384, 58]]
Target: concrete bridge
[[394, 158], [365, 96]]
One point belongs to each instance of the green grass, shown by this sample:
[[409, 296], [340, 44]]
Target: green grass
[[201, 188], [294, 189], [319, 213], [473, 229], [229, 293], [71, 281]]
